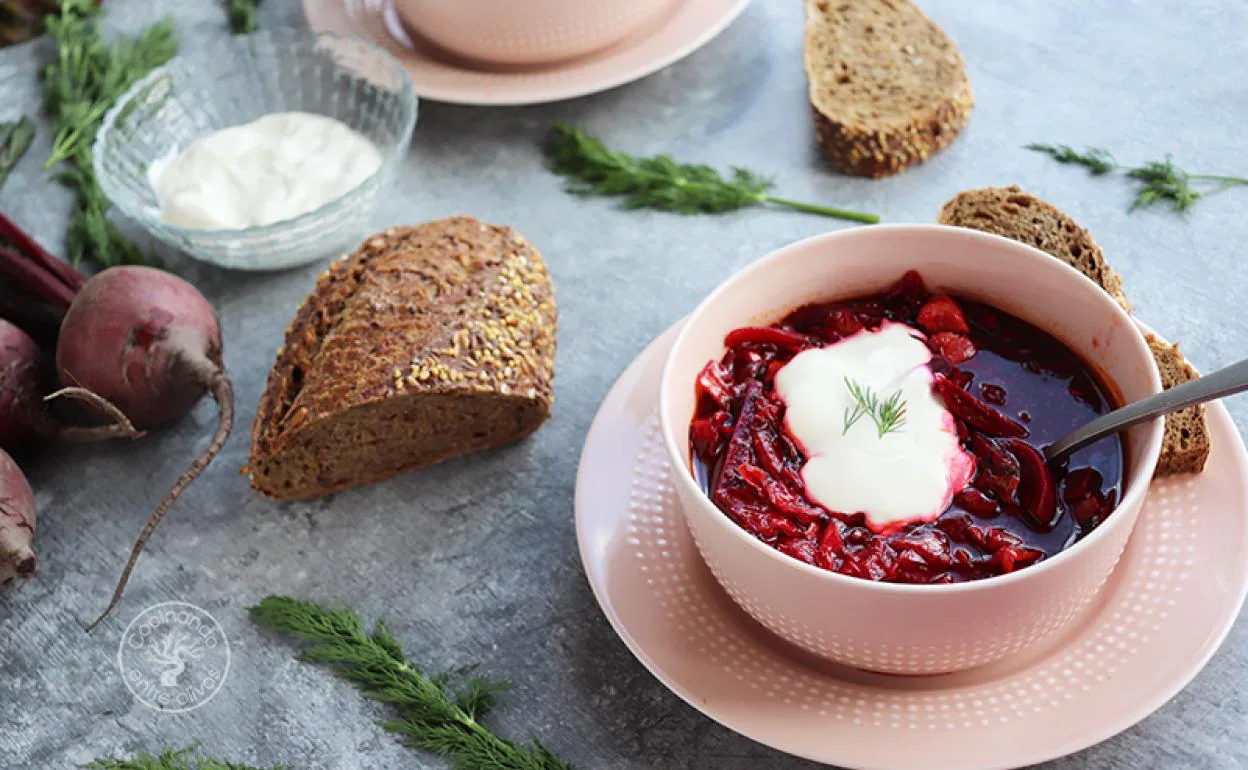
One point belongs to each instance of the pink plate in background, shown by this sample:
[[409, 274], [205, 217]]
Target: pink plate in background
[[1168, 605], [689, 25]]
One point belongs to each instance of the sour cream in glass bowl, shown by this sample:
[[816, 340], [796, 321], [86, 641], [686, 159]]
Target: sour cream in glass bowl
[[215, 152]]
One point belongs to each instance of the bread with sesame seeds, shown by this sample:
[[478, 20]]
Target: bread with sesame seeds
[[888, 87], [1014, 214], [426, 343]]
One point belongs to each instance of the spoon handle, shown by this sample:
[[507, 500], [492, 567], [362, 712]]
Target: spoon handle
[[1224, 382]]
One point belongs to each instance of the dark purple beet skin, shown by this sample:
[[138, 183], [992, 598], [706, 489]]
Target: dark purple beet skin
[[1012, 389], [22, 386], [141, 346], [149, 343], [144, 339]]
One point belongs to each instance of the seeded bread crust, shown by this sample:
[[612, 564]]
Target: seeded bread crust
[[1185, 448], [888, 87], [425, 343], [1015, 214], [1010, 212]]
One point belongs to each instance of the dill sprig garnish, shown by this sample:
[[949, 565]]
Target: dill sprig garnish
[[663, 183], [1160, 180], [1096, 160], [888, 416], [79, 86], [15, 139], [188, 758], [433, 715]]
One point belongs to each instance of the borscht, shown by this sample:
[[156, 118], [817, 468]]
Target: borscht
[[899, 437]]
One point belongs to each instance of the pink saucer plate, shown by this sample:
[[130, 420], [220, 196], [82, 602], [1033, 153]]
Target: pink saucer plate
[[689, 25], [1165, 609]]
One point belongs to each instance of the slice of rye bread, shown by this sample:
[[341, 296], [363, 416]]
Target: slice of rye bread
[[887, 86], [1022, 217], [1186, 445], [426, 343], [1010, 212]]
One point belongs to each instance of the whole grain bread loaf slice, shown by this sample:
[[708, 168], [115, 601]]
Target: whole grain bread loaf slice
[[1023, 217], [1185, 447], [887, 86], [426, 343], [1010, 212]]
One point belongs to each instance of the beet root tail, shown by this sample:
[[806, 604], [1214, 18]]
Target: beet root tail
[[17, 524], [222, 391], [21, 562], [121, 427]]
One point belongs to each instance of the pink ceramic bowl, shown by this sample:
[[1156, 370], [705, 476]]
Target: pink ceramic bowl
[[526, 31], [895, 628]]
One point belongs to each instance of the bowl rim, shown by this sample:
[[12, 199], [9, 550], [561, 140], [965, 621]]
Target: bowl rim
[[1134, 494], [287, 36]]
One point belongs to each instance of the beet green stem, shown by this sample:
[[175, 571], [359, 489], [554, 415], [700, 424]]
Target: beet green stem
[[32, 277], [31, 250]]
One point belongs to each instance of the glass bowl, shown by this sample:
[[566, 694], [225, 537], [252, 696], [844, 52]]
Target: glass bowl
[[237, 81]]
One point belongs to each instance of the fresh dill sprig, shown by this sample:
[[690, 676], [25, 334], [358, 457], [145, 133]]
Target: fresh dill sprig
[[663, 183], [432, 715], [241, 15], [15, 139], [188, 758], [1159, 180], [79, 86], [1095, 159], [889, 416]]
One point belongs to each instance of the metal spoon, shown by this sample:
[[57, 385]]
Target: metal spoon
[[1224, 382]]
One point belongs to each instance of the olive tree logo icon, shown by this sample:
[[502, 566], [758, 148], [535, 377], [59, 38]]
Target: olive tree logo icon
[[174, 657]]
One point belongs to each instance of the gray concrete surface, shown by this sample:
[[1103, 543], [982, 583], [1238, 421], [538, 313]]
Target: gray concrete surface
[[475, 561]]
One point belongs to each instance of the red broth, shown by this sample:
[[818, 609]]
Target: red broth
[[1012, 388]]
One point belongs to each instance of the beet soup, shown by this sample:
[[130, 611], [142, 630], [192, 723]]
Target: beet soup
[[899, 437]]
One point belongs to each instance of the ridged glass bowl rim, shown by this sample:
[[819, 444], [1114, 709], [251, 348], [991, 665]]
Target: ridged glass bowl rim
[[278, 38]]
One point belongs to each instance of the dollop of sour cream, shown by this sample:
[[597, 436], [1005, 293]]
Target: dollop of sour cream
[[272, 169], [908, 475]]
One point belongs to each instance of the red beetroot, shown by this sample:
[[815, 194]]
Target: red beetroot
[[976, 502], [779, 497], [842, 323], [24, 413], [17, 523], [974, 412], [1013, 558], [1080, 484], [150, 343], [21, 387], [956, 348], [1035, 489], [942, 314], [997, 470], [770, 335], [143, 339], [713, 382]]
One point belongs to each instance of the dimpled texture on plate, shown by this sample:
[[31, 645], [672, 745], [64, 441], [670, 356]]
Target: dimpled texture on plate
[[1167, 548], [1159, 618]]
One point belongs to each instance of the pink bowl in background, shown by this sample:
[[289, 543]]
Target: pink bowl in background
[[888, 627], [526, 32]]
